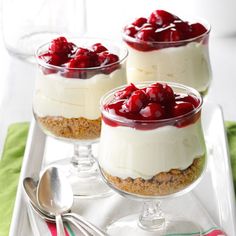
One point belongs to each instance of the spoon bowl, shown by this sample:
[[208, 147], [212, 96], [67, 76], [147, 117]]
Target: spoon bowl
[[54, 195], [30, 187]]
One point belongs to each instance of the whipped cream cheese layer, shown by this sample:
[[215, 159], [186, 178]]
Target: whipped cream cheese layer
[[127, 152], [188, 65], [73, 98]]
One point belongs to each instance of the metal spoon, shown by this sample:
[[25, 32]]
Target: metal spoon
[[30, 187], [54, 195]]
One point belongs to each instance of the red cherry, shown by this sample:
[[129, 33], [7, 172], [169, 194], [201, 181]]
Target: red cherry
[[98, 47], [155, 93], [146, 34], [81, 51], [184, 28], [182, 108], [170, 35], [56, 60], [197, 30], [187, 98], [112, 58], [81, 61], [126, 92], [49, 58], [161, 17], [106, 58], [136, 101], [148, 25], [61, 46], [93, 57], [53, 59], [153, 111], [102, 58], [130, 30], [140, 21], [169, 97]]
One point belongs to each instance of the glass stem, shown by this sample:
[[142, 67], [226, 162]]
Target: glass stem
[[83, 159], [152, 217]]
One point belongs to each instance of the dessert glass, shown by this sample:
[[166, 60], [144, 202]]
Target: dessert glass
[[150, 160], [186, 61], [66, 107]]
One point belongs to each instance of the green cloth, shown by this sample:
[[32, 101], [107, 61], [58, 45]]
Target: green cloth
[[10, 167], [231, 134]]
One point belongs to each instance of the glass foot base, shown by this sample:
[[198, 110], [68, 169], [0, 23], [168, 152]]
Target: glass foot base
[[129, 225], [85, 183]]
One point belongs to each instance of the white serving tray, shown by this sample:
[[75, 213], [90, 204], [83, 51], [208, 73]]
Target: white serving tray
[[215, 191]]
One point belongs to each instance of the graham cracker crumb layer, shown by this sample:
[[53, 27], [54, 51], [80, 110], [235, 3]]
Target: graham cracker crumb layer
[[163, 183], [73, 128]]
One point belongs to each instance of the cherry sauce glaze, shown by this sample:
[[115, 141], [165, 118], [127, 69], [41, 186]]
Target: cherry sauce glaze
[[70, 58], [150, 107], [161, 30]]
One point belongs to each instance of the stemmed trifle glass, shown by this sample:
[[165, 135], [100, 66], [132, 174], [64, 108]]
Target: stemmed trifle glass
[[151, 148], [73, 76], [164, 47]]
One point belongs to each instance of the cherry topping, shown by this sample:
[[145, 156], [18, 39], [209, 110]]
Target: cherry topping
[[61, 46], [161, 17], [126, 92], [155, 93], [182, 108], [130, 30], [162, 94], [148, 25], [106, 58], [153, 111], [155, 102], [67, 55], [140, 21], [81, 61], [197, 29], [98, 47], [161, 26], [171, 34], [136, 101], [169, 97], [183, 27], [186, 98], [53, 59], [82, 51], [146, 34]]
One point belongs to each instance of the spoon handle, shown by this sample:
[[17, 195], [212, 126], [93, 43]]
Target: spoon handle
[[86, 223], [60, 227], [81, 229]]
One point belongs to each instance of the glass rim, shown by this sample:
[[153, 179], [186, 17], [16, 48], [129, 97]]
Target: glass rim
[[173, 85], [204, 22], [41, 62]]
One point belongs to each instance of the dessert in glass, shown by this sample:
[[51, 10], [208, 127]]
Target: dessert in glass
[[73, 76], [151, 147], [165, 47]]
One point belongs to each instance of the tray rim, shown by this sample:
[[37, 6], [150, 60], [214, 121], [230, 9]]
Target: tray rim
[[20, 213]]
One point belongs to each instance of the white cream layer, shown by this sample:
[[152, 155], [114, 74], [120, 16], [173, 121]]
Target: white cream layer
[[72, 98], [127, 152], [188, 65]]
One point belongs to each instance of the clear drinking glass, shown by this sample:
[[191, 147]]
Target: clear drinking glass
[[186, 61], [151, 160], [66, 107], [28, 24]]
